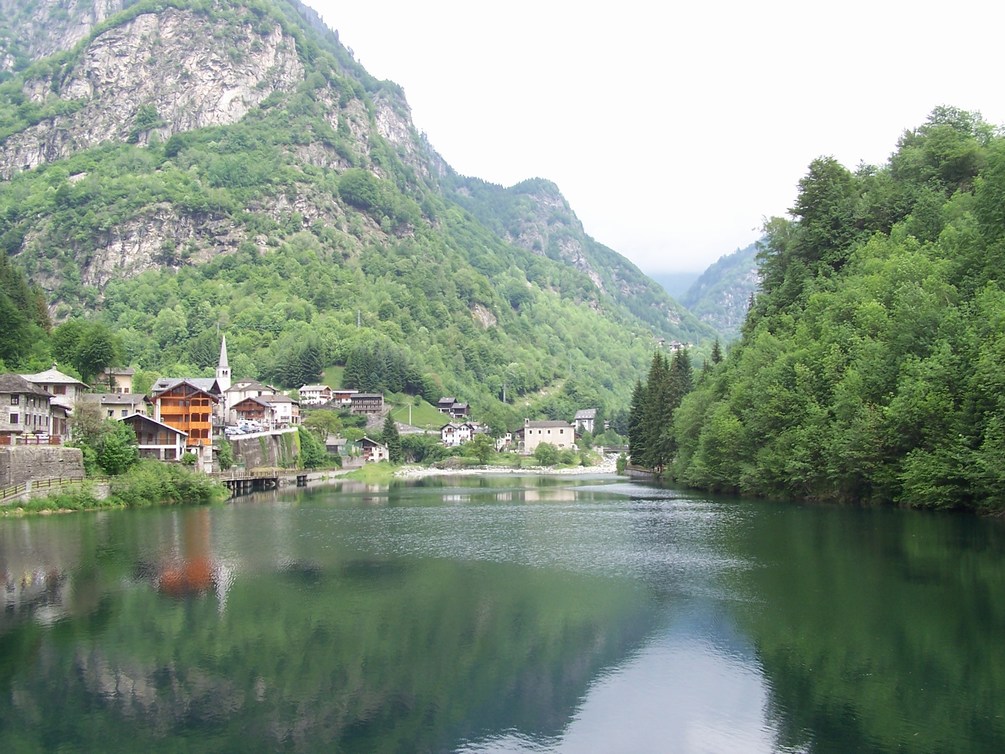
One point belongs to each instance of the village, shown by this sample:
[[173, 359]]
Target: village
[[185, 419]]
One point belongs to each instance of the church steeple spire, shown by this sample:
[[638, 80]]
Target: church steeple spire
[[223, 368]]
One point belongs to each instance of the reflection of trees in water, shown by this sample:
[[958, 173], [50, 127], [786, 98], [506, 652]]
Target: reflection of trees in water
[[878, 630]]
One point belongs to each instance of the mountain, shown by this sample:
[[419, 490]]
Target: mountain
[[675, 283], [721, 295], [181, 168]]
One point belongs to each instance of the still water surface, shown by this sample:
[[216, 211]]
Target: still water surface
[[502, 615]]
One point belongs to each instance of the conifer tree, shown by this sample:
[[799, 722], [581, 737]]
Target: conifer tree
[[390, 437]]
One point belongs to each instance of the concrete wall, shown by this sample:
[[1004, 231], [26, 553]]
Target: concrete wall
[[22, 463]]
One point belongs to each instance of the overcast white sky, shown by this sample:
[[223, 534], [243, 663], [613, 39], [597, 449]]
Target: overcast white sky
[[674, 129]]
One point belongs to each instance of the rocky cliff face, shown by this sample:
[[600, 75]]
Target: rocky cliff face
[[35, 29], [175, 78], [160, 73]]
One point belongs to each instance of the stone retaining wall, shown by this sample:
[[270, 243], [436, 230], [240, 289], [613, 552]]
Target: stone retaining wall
[[23, 463]]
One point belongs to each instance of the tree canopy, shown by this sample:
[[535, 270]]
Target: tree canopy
[[870, 365]]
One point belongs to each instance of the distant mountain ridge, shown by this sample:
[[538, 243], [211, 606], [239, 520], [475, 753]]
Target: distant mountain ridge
[[721, 296]]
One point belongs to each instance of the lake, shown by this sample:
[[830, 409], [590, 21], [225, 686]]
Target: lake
[[502, 614]]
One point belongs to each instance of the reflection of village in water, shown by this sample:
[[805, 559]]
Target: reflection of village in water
[[34, 572], [41, 574]]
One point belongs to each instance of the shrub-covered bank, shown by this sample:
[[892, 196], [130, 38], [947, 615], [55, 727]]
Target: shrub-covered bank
[[145, 484]]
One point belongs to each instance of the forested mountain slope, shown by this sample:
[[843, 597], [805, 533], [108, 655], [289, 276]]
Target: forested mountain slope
[[872, 365], [192, 167], [721, 296]]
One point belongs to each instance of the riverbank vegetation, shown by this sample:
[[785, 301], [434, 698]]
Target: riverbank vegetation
[[871, 368], [145, 484]]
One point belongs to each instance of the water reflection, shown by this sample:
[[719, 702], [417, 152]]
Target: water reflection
[[501, 614]]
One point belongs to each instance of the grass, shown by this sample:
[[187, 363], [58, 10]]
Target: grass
[[424, 414], [332, 376], [374, 473]]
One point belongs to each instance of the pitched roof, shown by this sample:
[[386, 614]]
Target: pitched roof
[[242, 385], [206, 385], [143, 418], [586, 413], [547, 424], [52, 377], [15, 383], [102, 399], [262, 401]]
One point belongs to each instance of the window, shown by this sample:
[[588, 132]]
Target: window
[[125, 412], [15, 400], [59, 389], [14, 418]]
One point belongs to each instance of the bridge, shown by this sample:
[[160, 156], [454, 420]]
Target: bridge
[[246, 481]]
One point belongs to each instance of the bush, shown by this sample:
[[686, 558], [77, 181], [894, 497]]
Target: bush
[[154, 483], [546, 454]]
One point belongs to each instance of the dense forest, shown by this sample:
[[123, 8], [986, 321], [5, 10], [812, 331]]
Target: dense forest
[[871, 367], [319, 229]]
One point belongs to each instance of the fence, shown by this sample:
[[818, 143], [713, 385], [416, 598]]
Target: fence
[[36, 485], [31, 440]]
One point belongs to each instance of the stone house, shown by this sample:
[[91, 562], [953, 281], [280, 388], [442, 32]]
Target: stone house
[[116, 405], [558, 433], [64, 389], [25, 411]]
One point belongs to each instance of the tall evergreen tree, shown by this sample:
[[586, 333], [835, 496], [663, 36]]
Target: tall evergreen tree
[[390, 437]]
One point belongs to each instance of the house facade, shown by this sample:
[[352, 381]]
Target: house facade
[[369, 404], [25, 412], [373, 451], [343, 397], [585, 420], [285, 410], [156, 439], [187, 407], [453, 434], [117, 380], [241, 391], [115, 405], [271, 411], [315, 395], [64, 389], [558, 433], [253, 410], [454, 408]]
